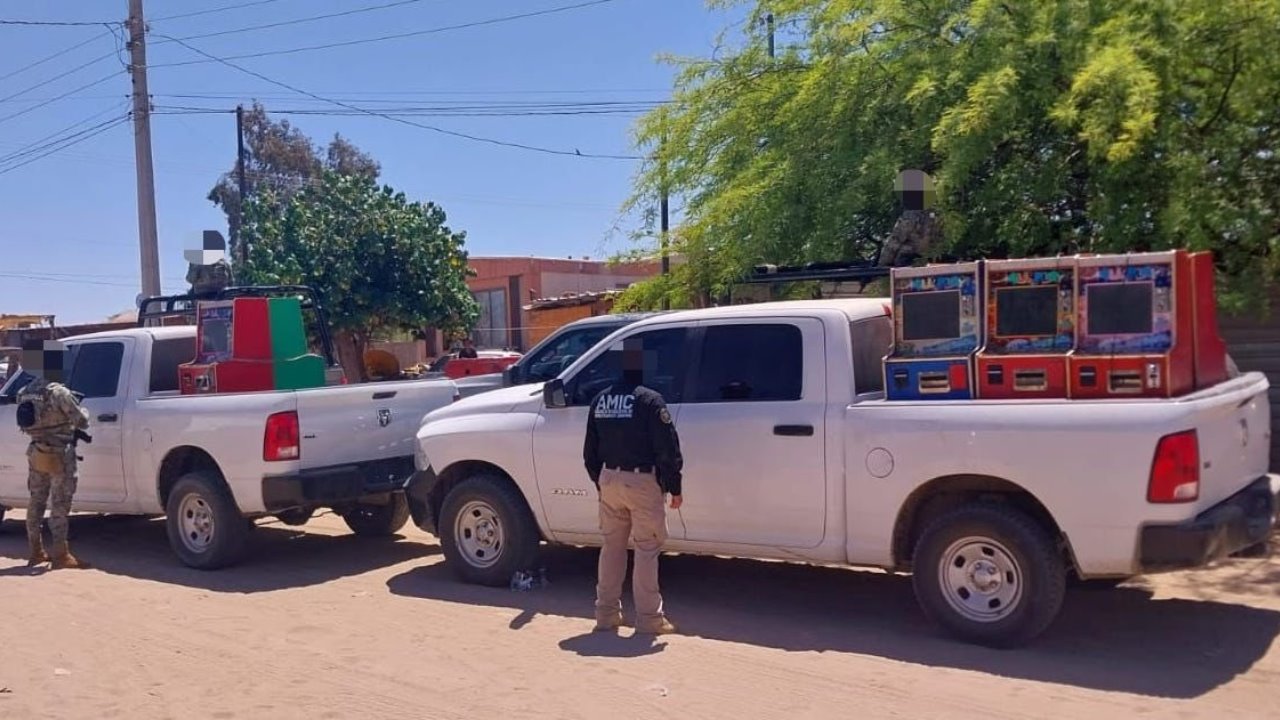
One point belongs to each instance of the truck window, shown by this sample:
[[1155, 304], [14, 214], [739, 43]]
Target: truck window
[[550, 361], [663, 372], [871, 342], [166, 356], [95, 368], [753, 363]]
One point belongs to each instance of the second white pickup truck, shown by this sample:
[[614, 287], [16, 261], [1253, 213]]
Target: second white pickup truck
[[792, 453], [211, 463]]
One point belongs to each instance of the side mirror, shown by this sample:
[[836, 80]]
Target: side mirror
[[553, 394], [509, 375]]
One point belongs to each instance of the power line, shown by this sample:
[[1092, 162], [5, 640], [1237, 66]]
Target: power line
[[67, 142], [37, 145], [403, 121], [299, 21], [99, 81], [49, 23], [213, 10], [54, 56], [45, 82], [397, 36]]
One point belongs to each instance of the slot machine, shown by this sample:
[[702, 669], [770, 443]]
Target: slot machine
[[1135, 327], [1030, 328], [250, 344], [937, 323], [1209, 350]]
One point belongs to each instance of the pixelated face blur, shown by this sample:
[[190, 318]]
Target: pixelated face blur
[[45, 359], [915, 189], [213, 248]]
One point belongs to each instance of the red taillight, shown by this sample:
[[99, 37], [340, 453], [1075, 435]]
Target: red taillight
[[1175, 470], [280, 440]]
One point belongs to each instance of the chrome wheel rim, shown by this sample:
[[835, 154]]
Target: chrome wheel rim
[[980, 579], [478, 533], [195, 520]]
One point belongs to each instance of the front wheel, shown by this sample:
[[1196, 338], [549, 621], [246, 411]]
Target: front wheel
[[989, 574], [487, 531], [206, 529], [369, 520]]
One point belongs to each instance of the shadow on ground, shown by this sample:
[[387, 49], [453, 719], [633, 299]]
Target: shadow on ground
[[1118, 640], [278, 557]]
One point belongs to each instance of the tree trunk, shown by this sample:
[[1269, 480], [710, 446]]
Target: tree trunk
[[351, 347]]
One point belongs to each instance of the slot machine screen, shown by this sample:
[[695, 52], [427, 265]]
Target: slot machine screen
[[215, 338], [931, 315], [1120, 308], [1026, 311]]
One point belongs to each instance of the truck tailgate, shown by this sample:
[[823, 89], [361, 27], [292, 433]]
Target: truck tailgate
[[360, 423], [1234, 429]]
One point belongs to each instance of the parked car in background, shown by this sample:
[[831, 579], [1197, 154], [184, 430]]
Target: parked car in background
[[550, 357]]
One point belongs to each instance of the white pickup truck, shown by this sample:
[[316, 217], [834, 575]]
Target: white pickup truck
[[209, 462], [792, 453]]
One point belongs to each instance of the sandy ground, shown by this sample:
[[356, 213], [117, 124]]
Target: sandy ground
[[320, 624]]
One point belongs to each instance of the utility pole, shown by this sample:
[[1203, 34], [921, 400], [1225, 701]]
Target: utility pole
[[768, 21], [147, 243], [665, 219], [242, 250]]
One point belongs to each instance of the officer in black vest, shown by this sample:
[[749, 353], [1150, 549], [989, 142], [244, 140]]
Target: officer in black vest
[[632, 454]]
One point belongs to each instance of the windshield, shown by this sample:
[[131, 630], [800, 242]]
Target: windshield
[[551, 360]]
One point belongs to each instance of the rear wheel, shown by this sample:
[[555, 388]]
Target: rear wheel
[[206, 529], [369, 520], [989, 574], [487, 531]]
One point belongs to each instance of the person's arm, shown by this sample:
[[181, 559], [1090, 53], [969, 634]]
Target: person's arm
[[666, 447], [591, 448], [72, 409]]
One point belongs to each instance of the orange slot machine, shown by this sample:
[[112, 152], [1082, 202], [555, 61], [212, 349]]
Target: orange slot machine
[[1030, 329], [1135, 330]]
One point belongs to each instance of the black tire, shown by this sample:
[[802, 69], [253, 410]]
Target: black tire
[[378, 520], [223, 543], [1004, 537], [514, 531]]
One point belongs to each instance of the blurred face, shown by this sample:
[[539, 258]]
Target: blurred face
[[45, 359]]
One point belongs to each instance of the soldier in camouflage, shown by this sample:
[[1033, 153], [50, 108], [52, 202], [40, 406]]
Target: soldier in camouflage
[[917, 229], [51, 454]]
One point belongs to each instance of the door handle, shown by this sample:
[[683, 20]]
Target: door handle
[[108, 417], [793, 430]]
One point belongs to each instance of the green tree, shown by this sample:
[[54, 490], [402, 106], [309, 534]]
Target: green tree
[[1055, 126], [377, 261], [280, 160]]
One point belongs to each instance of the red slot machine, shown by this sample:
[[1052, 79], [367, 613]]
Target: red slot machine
[[1135, 328], [1030, 328], [233, 349]]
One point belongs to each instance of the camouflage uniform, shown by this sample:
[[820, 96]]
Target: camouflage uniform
[[51, 461], [912, 236], [209, 279]]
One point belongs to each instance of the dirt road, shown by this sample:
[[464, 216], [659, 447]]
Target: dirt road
[[320, 624]]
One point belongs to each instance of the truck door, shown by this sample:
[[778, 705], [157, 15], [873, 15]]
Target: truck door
[[569, 498], [753, 434], [99, 370]]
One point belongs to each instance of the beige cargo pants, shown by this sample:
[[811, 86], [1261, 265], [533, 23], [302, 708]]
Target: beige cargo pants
[[631, 507]]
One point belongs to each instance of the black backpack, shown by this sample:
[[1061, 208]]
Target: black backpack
[[26, 415]]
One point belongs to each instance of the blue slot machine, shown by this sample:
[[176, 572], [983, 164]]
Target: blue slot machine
[[937, 329]]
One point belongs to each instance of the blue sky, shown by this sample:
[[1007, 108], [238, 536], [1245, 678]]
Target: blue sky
[[69, 231]]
